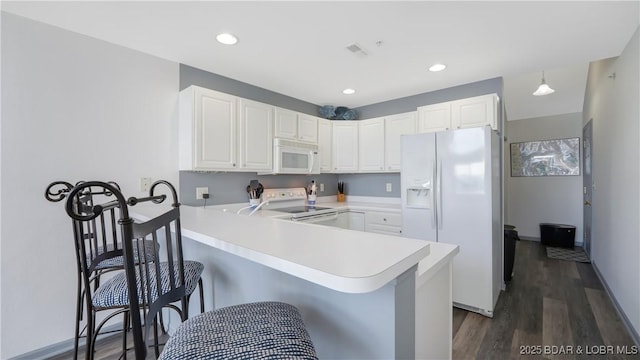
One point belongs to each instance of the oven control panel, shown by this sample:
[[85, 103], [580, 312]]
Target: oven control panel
[[284, 194]]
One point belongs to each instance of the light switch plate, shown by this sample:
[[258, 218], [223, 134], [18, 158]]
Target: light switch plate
[[145, 184], [389, 187]]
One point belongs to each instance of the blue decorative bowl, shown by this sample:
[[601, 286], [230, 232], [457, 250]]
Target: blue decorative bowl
[[349, 115], [328, 112]]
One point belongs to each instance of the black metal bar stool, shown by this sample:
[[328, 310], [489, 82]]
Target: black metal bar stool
[[98, 248]]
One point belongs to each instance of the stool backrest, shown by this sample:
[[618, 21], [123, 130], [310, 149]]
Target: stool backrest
[[159, 284], [97, 239]]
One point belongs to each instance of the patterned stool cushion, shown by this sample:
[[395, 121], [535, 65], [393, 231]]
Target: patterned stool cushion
[[263, 330], [114, 292], [118, 262]]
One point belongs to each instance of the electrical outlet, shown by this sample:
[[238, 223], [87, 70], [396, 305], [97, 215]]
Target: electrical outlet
[[200, 191], [321, 187], [388, 187], [145, 184]]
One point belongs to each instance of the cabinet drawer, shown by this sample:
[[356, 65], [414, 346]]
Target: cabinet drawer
[[383, 218], [384, 229]]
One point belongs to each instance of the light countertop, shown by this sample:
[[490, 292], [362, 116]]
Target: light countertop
[[343, 260]]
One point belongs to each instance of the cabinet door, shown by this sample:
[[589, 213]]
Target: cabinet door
[[324, 144], [474, 112], [345, 146], [432, 118], [356, 220], [307, 128], [256, 135], [214, 130], [286, 124], [371, 145], [396, 126]]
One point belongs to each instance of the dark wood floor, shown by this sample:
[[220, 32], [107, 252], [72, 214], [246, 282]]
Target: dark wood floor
[[548, 306]]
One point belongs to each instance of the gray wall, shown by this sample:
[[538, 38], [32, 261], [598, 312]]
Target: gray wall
[[543, 199], [193, 76], [73, 108], [410, 103], [371, 184], [613, 106], [227, 188]]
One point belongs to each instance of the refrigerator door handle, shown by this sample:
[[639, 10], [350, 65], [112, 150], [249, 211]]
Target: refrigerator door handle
[[434, 201], [439, 186]]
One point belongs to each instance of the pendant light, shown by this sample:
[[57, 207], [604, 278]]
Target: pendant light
[[543, 89]]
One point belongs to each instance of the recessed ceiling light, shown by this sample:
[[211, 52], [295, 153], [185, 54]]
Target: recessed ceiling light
[[437, 67], [227, 39], [348, 91]]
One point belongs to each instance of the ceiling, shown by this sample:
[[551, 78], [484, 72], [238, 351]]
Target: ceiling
[[298, 48]]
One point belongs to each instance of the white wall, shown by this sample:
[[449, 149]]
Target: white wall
[[73, 108], [544, 199], [613, 106]]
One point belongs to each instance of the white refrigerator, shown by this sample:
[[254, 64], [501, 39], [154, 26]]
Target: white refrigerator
[[451, 193]]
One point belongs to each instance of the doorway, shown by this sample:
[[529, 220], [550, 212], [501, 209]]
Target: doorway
[[587, 184]]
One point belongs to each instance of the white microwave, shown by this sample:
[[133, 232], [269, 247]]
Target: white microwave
[[293, 157]]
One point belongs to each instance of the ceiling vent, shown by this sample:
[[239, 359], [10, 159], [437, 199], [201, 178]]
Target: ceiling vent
[[357, 50]]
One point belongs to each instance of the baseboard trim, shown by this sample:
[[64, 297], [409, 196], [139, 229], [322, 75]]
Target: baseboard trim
[[65, 345], [627, 323]]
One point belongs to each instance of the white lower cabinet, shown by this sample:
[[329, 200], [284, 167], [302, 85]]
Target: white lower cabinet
[[389, 223], [352, 220], [356, 220], [381, 222]]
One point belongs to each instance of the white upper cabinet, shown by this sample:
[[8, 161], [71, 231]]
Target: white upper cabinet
[[296, 126], [308, 128], [432, 118], [344, 146], [394, 127], [222, 132], [474, 112], [371, 146], [207, 130], [286, 124], [465, 113], [324, 144], [256, 135]]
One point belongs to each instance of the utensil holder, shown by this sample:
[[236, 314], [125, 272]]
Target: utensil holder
[[254, 202], [341, 197], [311, 200]]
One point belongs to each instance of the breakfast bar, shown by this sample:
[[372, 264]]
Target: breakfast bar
[[361, 295]]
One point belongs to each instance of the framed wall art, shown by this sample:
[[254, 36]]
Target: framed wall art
[[546, 157]]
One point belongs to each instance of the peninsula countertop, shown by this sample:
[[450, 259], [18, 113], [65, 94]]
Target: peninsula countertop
[[343, 260]]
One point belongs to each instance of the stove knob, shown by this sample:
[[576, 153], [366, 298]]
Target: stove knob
[[290, 193]]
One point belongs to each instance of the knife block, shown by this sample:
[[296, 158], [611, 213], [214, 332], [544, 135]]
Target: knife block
[[341, 197]]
